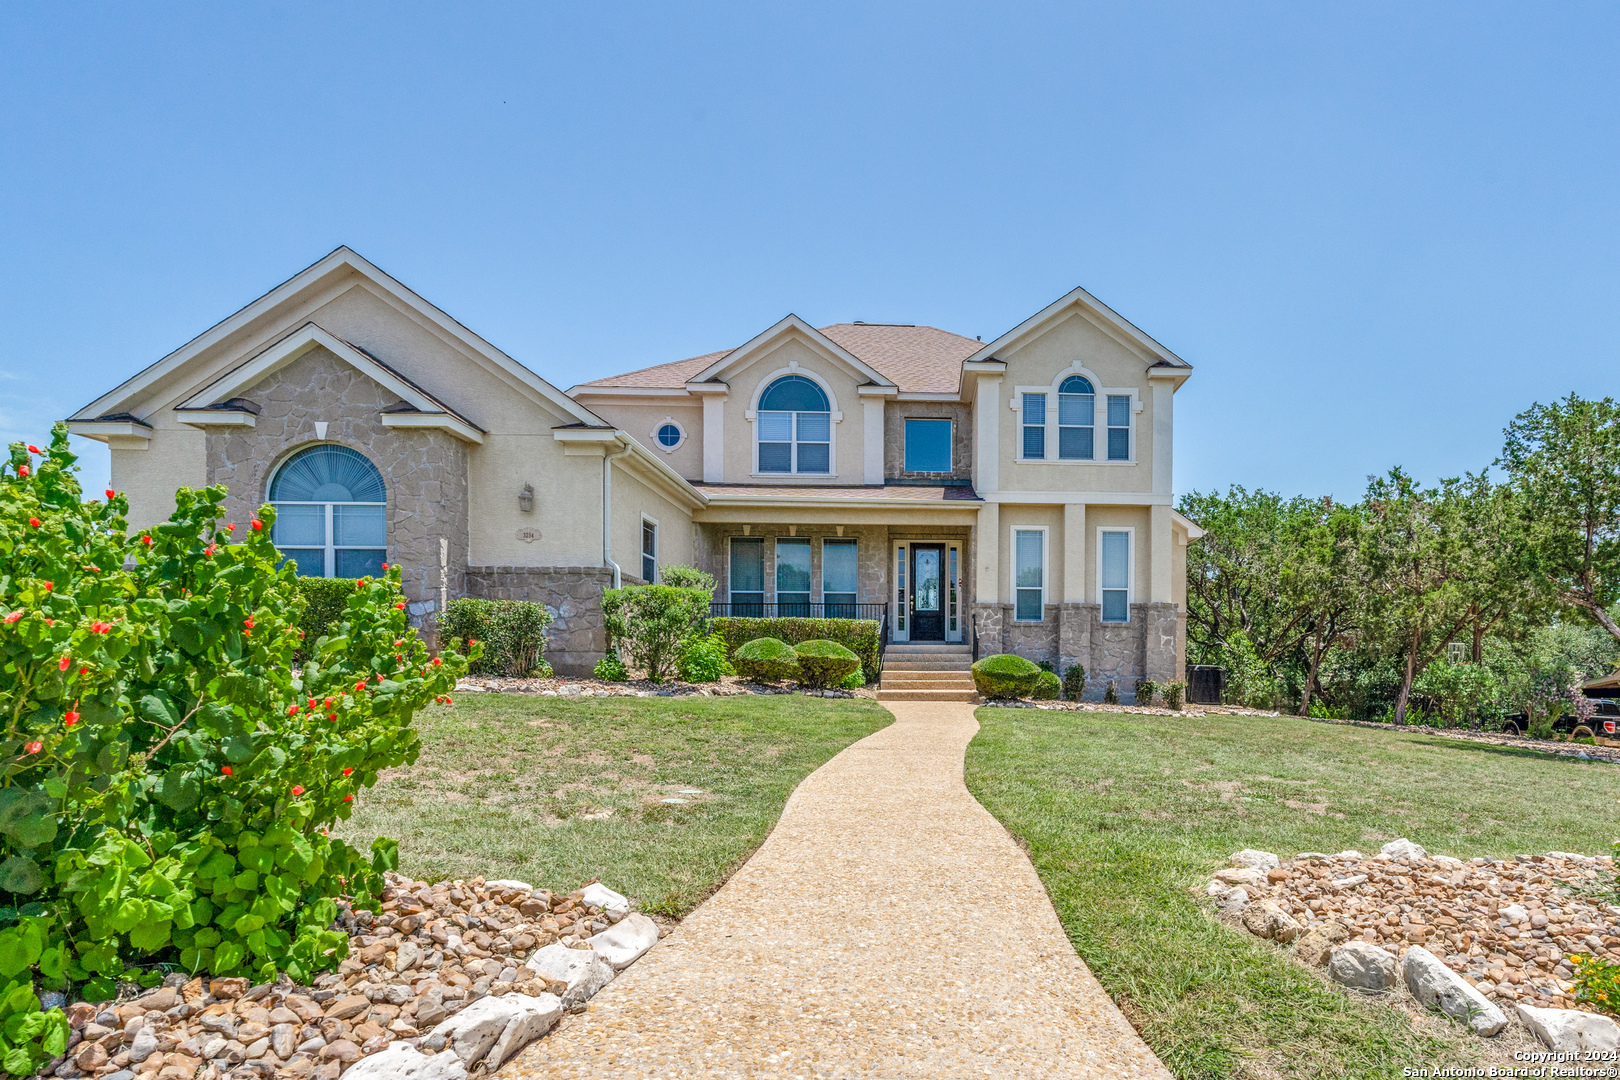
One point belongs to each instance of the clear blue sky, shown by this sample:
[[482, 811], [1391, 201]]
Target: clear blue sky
[[1378, 231]]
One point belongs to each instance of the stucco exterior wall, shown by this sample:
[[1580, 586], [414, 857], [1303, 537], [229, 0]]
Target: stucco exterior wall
[[895, 415], [176, 456], [642, 422], [565, 527], [633, 500], [849, 446], [1136, 518], [423, 470]]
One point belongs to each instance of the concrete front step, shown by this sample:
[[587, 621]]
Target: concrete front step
[[927, 665], [928, 647], [920, 678], [928, 684], [928, 695]]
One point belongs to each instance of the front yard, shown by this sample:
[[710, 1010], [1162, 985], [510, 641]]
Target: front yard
[[1121, 814], [555, 792]]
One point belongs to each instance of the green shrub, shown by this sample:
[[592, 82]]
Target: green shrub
[[1146, 691], [610, 669], [854, 680], [513, 633], [825, 664], [766, 659], [172, 771], [1046, 665], [1047, 686], [703, 658], [1005, 676], [1111, 694], [1174, 693], [651, 621], [863, 637], [1074, 682], [687, 577]]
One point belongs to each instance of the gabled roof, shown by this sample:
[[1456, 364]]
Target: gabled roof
[[791, 325], [1107, 316], [328, 269], [914, 359]]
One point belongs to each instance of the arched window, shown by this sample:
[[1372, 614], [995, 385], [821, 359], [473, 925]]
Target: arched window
[[1077, 419], [795, 427], [331, 513]]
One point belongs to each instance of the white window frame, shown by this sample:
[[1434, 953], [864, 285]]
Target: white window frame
[[835, 416], [731, 547], [331, 547], [851, 541], [950, 444], [658, 444], [646, 521], [1099, 447], [776, 559], [1130, 569], [1012, 565]]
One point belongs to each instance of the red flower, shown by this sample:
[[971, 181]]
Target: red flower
[[379, 676], [32, 449], [111, 493], [147, 540], [84, 671], [226, 769], [100, 627], [348, 798], [437, 661], [49, 621], [248, 622], [327, 702], [312, 703], [62, 665], [14, 616], [399, 606], [22, 470], [34, 747], [34, 522], [231, 527], [359, 686], [398, 643], [448, 700], [297, 790], [49, 585], [385, 566], [71, 717], [348, 772], [257, 524], [209, 550], [292, 710], [331, 716], [360, 584]]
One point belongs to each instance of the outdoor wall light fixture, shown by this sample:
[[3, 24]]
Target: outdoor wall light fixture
[[526, 499]]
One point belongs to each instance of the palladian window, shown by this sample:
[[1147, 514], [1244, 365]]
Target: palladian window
[[331, 513], [794, 428]]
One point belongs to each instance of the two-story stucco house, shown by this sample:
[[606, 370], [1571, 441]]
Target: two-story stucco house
[[1011, 495]]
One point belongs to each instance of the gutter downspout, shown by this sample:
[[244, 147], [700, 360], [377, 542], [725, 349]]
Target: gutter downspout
[[607, 505]]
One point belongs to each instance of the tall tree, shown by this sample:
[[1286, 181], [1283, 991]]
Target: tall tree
[[1325, 578], [1563, 460]]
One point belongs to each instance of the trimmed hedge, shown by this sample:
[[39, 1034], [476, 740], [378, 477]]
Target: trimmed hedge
[[766, 659], [825, 664], [1046, 687], [863, 637], [1005, 676]]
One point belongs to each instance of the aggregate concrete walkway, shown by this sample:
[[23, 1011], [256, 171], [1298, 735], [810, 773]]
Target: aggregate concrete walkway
[[888, 927]]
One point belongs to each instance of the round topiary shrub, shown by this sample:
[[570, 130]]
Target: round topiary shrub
[[1046, 687], [1005, 676], [824, 664], [766, 659]]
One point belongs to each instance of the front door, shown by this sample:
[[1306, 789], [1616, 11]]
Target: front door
[[927, 592]]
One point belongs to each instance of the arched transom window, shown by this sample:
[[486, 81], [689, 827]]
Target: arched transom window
[[331, 513], [1077, 419], [794, 428]]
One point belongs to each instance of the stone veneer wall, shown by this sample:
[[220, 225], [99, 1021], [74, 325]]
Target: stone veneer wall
[[895, 414], [1120, 653], [425, 470], [577, 637]]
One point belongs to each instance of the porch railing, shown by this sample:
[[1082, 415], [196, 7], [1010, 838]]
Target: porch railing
[[877, 612]]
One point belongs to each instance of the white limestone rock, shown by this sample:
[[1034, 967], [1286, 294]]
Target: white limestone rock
[[493, 1028], [1256, 860], [144, 1046], [1513, 913], [402, 1061], [1570, 1029], [537, 1015], [1234, 900], [1217, 889], [508, 885], [1350, 855], [1438, 987], [1403, 850], [1265, 919], [1241, 875], [581, 969], [621, 945], [1362, 965], [599, 895]]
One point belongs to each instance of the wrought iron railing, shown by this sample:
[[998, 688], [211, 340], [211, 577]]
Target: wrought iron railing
[[876, 612]]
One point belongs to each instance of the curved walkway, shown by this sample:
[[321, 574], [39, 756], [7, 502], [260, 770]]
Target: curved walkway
[[888, 927]]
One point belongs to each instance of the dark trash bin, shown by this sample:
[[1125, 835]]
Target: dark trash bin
[[1205, 684]]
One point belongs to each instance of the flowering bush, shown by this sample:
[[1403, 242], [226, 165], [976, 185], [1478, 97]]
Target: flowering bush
[[169, 770]]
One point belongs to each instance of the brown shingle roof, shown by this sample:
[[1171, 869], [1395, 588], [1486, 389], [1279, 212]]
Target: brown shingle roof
[[917, 359], [892, 492]]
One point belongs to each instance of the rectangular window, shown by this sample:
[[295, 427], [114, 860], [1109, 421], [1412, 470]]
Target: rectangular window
[[649, 551], [1077, 420], [839, 576], [928, 446], [1035, 426], [1029, 574], [776, 442], [815, 442], [1116, 577], [747, 576], [792, 578], [900, 588], [1119, 427]]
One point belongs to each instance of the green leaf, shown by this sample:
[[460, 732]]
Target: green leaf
[[157, 708], [185, 635], [179, 791], [24, 817], [20, 948], [20, 874], [384, 854], [150, 936], [261, 859], [130, 913], [237, 748]]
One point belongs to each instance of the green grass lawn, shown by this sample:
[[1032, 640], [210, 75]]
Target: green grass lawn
[[1122, 813], [555, 792]]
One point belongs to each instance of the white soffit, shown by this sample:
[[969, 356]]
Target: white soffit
[[745, 354]]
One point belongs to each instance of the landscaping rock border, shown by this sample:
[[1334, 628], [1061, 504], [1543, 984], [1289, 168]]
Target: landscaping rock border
[[727, 686], [443, 980]]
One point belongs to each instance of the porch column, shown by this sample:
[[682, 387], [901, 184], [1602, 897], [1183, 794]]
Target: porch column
[[1074, 553], [872, 398], [987, 587], [1159, 540]]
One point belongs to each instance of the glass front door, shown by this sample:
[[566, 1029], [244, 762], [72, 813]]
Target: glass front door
[[927, 592]]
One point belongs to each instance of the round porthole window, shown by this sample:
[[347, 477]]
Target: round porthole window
[[669, 436]]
